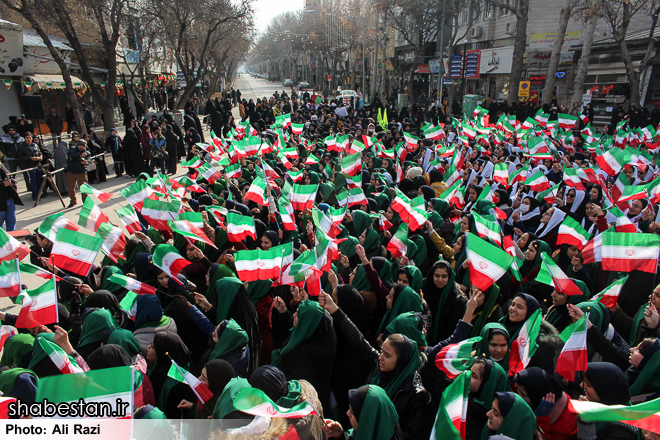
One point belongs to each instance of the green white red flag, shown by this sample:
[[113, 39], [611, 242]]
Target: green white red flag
[[610, 296], [10, 248], [158, 213], [572, 233], [324, 223], [303, 196], [625, 252], [356, 197], [53, 223], [203, 393], [10, 278], [190, 230], [562, 283], [233, 171], [6, 332], [240, 227], [130, 219], [451, 421], [453, 359], [415, 218], [75, 251], [195, 162], [524, 346], [501, 174], [286, 214], [58, 356], [398, 244], [91, 217], [168, 259], [643, 415], [102, 196], [255, 402], [537, 182], [210, 174], [114, 241], [352, 164], [258, 192], [38, 306], [566, 121], [573, 356], [137, 193], [488, 228], [487, 262], [253, 265], [132, 284]]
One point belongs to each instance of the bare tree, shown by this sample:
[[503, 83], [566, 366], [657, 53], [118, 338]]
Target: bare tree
[[590, 15], [618, 14]]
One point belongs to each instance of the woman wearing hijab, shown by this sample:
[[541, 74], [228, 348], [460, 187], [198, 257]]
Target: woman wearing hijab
[[549, 227], [553, 416], [169, 392], [19, 383], [309, 351], [488, 310], [103, 299], [372, 416], [558, 314], [401, 299], [603, 342], [510, 416], [643, 324], [531, 268], [150, 319], [262, 297], [370, 240], [487, 378], [93, 326], [521, 309], [494, 344], [605, 383], [527, 218], [445, 300], [41, 363], [145, 139], [643, 377]]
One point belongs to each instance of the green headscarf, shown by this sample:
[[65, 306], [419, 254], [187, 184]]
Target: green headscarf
[[125, 339], [229, 286], [108, 285], [326, 190], [557, 315], [407, 300], [347, 247], [382, 199], [647, 376], [497, 382], [416, 275], [94, 325], [519, 422], [482, 348], [155, 236], [378, 416], [420, 255], [310, 314], [599, 316], [16, 348], [637, 320], [314, 178], [361, 221], [371, 241], [225, 403], [489, 306], [40, 354], [430, 289], [409, 368], [360, 281], [258, 289], [8, 378], [293, 392], [436, 220], [441, 207], [407, 325], [221, 271], [232, 337]]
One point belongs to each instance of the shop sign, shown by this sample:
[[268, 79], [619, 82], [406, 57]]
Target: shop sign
[[496, 61]]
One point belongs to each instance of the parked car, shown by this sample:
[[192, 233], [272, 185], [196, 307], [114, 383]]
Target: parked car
[[288, 83], [303, 85], [349, 94]]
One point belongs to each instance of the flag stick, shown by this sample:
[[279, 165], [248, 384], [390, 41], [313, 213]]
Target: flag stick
[[193, 390]]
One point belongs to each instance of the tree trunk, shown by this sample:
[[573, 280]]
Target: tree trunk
[[187, 92], [633, 75], [518, 51], [108, 112], [564, 16], [451, 89], [583, 67]]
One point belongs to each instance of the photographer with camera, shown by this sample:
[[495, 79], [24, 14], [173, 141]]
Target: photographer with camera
[[29, 156], [9, 144], [76, 169], [8, 200]]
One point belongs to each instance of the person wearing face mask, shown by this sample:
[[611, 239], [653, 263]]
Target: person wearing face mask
[[511, 416]]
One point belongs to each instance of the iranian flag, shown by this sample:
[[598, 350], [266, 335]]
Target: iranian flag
[[330, 143], [324, 223], [75, 252], [53, 223], [592, 252], [567, 121], [643, 415], [524, 346], [450, 423], [202, 392], [611, 161], [297, 128], [312, 160], [572, 179], [572, 233], [541, 118], [102, 196], [625, 252], [352, 164], [487, 262], [38, 306], [208, 173], [240, 227], [137, 193], [488, 228], [296, 175], [610, 296], [37, 271], [415, 218], [91, 217], [501, 174], [114, 241], [58, 356], [509, 248], [302, 197], [4, 406], [456, 358], [356, 197], [254, 401], [562, 283], [411, 140], [132, 284], [109, 387], [537, 182], [130, 219], [549, 194], [158, 212], [398, 244], [10, 248], [191, 230], [233, 171], [573, 356], [168, 259], [435, 132], [263, 265], [286, 213], [590, 175], [195, 162], [6, 332], [10, 278], [258, 192]]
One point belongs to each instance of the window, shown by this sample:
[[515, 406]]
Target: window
[[488, 11], [503, 11], [465, 16]]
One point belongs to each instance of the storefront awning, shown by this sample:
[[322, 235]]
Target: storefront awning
[[53, 81]]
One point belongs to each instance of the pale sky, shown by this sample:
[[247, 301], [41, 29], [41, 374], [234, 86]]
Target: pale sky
[[265, 10]]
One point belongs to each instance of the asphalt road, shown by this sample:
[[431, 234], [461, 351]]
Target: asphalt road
[[257, 88]]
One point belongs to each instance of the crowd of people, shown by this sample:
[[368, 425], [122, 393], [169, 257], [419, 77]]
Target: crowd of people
[[357, 331]]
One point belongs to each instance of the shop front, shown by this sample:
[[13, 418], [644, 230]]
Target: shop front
[[495, 70]]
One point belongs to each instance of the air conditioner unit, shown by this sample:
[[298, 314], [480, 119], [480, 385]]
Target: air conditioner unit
[[511, 28], [476, 31]]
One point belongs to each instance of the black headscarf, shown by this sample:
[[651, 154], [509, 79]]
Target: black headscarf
[[170, 343], [538, 383], [108, 356], [514, 327], [271, 380], [609, 383]]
